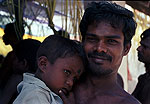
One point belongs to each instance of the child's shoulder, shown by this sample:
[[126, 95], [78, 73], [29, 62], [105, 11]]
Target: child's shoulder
[[33, 93], [31, 84]]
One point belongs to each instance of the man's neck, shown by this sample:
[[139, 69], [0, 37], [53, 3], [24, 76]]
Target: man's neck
[[103, 81]]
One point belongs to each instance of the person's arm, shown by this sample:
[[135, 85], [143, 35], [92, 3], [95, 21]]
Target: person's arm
[[10, 89], [6, 68]]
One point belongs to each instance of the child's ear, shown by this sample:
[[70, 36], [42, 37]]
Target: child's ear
[[127, 48], [42, 62]]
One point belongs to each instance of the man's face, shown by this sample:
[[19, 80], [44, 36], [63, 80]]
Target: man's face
[[10, 38], [144, 50], [6, 39], [104, 47]]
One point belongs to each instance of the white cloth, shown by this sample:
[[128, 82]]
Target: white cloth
[[34, 91]]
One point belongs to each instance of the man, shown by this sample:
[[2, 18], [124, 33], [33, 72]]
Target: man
[[11, 37], [142, 90], [24, 61], [107, 30]]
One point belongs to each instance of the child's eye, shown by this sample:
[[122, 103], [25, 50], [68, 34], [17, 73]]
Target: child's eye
[[67, 72]]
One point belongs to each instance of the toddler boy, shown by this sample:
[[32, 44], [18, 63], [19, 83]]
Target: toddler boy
[[60, 63]]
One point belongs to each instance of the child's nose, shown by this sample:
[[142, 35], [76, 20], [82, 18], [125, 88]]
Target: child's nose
[[69, 83]]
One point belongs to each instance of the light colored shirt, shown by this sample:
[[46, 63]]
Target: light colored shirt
[[34, 91]]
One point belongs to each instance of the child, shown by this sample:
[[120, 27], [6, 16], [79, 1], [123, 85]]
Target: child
[[60, 63]]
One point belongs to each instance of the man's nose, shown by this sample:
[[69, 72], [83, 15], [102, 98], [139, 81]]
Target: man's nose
[[101, 47], [139, 48]]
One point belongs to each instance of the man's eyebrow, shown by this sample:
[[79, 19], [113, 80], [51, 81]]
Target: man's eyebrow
[[90, 34], [145, 45], [114, 36]]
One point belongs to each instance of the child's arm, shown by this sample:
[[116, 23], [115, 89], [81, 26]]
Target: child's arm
[[67, 99]]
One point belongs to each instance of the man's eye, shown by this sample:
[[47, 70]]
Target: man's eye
[[111, 41], [67, 72], [144, 46], [91, 39]]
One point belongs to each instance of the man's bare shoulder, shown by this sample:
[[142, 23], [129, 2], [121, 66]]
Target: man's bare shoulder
[[85, 95], [129, 99]]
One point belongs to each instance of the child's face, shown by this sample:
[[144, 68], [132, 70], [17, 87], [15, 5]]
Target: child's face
[[63, 73]]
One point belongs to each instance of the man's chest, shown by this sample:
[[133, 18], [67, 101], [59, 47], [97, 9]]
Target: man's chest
[[96, 98]]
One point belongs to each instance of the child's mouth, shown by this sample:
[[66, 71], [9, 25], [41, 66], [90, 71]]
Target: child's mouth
[[65, 91]]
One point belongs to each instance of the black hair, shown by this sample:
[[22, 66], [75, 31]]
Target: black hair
[[27, 49], [117, 16], [145, 34], [12, 30], [1, 59], [56, 46]]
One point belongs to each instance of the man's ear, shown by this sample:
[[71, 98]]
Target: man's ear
[[127, 48], [25, 64], [42, 62]]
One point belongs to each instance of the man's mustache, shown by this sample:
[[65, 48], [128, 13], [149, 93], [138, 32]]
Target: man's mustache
[[101, 54]]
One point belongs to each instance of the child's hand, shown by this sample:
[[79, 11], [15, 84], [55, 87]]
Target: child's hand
[[67, 99]]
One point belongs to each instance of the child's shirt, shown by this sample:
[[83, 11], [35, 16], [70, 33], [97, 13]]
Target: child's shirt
[[34, 91]]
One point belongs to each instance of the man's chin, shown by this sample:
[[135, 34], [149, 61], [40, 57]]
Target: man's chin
[[98, 70], [140, 60]]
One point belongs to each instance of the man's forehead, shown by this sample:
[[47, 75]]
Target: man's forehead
[[117, 36], [103, 26], [146, 41]]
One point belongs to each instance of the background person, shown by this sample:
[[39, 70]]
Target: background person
[[142, 90], [11, 37], [24, 61]]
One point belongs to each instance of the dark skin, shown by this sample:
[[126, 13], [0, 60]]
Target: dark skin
[[102, 87]]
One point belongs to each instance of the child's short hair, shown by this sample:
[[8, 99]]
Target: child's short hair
[[55, 46]]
